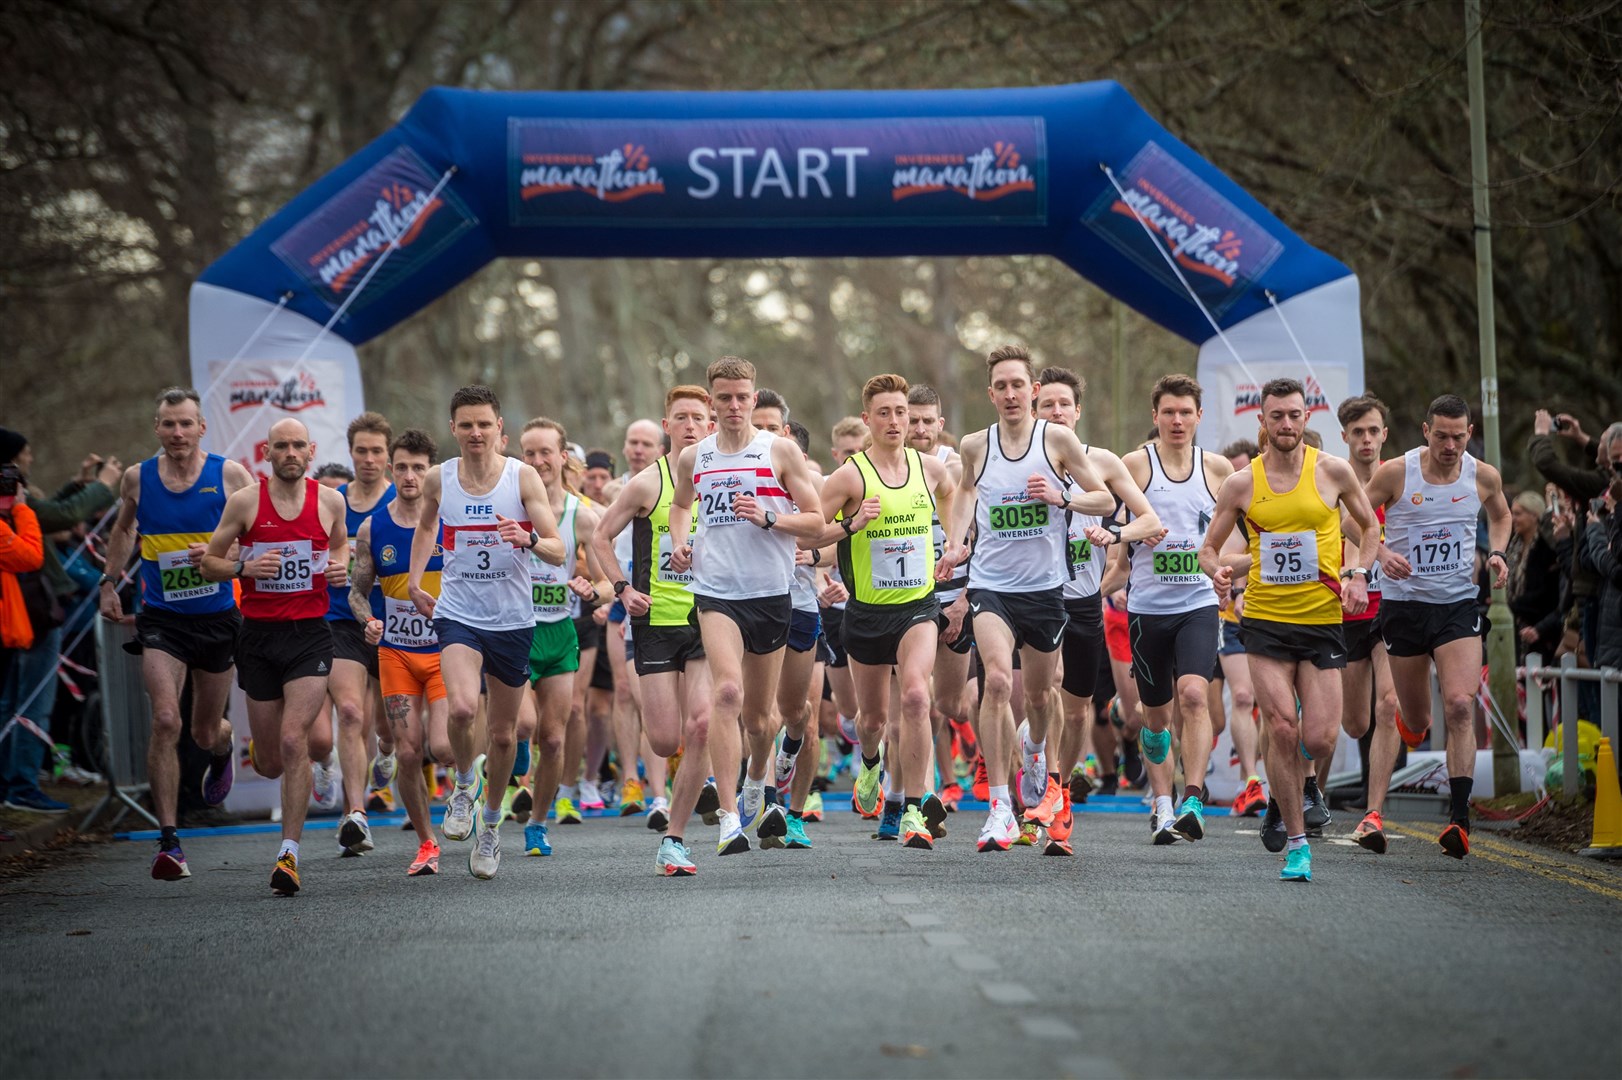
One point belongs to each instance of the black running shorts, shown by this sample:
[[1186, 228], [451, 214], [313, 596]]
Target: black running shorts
[[349, 643], [1415, 628], [272, 653], [1037, 619], [873, 632], [666, 648], [1167, 647], [1321, 644], [1083, 644], [201, 642], [762, 621]]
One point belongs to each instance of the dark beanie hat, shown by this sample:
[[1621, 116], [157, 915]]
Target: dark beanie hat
[[11, 444], [597, 459]]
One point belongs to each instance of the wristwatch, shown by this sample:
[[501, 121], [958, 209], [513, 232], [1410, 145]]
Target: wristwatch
[[844, 523], [816, 556], [534, 538], [237, 570], [1064, 495], [771, 520], [620, 586], [1112, 527], [1355, 571], [107, 579]]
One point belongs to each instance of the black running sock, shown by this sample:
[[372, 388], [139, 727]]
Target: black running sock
[[792, 746], [1191, 792], [870, 762], [913, 801], [170, 838], [1459, 796], [892, 804], [1310, 787], [1055, 777], [796, 815]]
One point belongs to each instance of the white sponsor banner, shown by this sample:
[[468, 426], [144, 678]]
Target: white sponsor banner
[[248, 396], [1233, 401]]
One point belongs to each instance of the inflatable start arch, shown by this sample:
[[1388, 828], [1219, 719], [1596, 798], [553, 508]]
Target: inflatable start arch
[[1078, 172]]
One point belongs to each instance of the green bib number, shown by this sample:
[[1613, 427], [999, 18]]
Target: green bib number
[[1010, 516], [1081, 552], [549, 596], [1176, 563]]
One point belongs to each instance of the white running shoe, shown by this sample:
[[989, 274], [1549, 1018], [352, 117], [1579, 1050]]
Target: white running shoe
[[1160, 828], [659, 814], [354, 835], [484, 857], [734, 841], [1001, 830], [458, 823], [325, 785], [783, 773], [750, 802], [384, 767], [1033, 775], [591, 797], [772, 827]]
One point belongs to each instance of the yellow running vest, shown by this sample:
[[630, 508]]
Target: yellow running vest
[[892, 561], [670, 593], [1294, 550]]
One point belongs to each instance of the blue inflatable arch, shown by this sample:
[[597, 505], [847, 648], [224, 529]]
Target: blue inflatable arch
[[1078, 172]]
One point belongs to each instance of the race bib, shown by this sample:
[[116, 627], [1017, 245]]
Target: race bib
[[1438, 551], [481, 557], [897, 562], [300, 564], [405, 627], [1288, 558], [666, 574], [1017, 516], [715, 497], [1179, 566], [181, 580], [549, 596], [1080, 552]]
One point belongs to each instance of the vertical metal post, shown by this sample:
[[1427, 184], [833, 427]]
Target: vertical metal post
[[1572, 780], [1534, 704], [1608, 693]]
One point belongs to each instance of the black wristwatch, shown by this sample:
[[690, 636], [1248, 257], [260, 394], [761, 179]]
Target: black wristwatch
[[534, 539], [771, 520], [1112, 527], [816, 556], [1500, 554], [107, 579], [620, 586], [844, 523]]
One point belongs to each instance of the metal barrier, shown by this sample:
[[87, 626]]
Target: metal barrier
[[126, 719], [1567, 676]]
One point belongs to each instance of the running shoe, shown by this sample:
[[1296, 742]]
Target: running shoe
[[1109, 784], [1027, 834], [354, 835], [1297, 865], [709, 804], [772, 827], [659, 814], [1370, 833], [868, 793], [1055, 846], [591, 797], [734, 841], [521, 757], [169, 864], [981, 788], [890, 823], [535, 840], [1081, 785], [915, 830], [1190, 823], [751, 802], [1410, 738], [380, 801], [427, 860], [783, 771], [284, 879], [1033, 774], [1455, 840], [1000, 830], [384, 767], [520, 803], [1063, 821], [567, 813], [631, 798], [1251, 801], [324, 787], [813, 807], [1274, 834], [963, 731], [1046, 804], [222, 772], [1314, 810], [847, 729], [796, 837], [484, 857], [673, 860], [458, 823], [951, 795], [1161, 830], [1154, 745], [934, 812]]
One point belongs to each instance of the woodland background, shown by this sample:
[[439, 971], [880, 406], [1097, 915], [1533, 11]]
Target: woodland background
[[140, 138]]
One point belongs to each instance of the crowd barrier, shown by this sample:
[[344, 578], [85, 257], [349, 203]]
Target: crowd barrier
[[1563, 680]]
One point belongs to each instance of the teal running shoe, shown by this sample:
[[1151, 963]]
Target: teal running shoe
[[1297, 865], [1155, 745], [890, 823], [1190, 823], [535, 841], [673, 860], [796, 837]]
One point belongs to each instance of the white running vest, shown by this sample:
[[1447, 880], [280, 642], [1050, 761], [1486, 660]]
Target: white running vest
[[1167, 579], [1019, 541], [550, 595], [732, 559], [1084, 567], [1433, 526], [485, 583]]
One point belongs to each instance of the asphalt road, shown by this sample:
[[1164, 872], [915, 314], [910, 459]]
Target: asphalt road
[[852, 959]]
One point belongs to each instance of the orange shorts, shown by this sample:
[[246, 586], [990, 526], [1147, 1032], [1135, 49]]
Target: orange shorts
[[409, 674], [1116, 636]]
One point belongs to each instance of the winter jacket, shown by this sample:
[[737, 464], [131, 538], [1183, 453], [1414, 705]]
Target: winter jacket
[[22, 549], [1602, 551]]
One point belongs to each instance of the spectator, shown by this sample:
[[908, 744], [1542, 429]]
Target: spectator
[[1534, 578], [30, 683], [1587, 480], [1602, 551]]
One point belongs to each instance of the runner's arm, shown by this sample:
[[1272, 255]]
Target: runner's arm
[[549, 549], [1490, 488], [586, 526], [120, 542], [1116, 571], [234, 521], [1145, 524], [957, 529], [680, 518], [1235, 491], [427, 535], [789, 463], [634, 501], [360, 583], [1095, 499]]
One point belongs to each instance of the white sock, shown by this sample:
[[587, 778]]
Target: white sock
[[1296, 842], [288, 847], [566, 791], [492, 816], [465, 779], [1034, 749], [999, 794], [899, 795], [1163, 805]]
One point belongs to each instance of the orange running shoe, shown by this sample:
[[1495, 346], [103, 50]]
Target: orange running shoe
[[968, 745], [1251, 801], [951, 795], [427, 860], [1410, 738], [1052, 799], [284, 879], [1063, 821], [981, 788], [1055, 846], [1455, 840], [1370, 833]]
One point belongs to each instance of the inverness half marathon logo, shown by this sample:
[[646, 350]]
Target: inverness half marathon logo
[[295, 394], [989, 173], [623, 173], [1247, 398], [1198, 247]]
